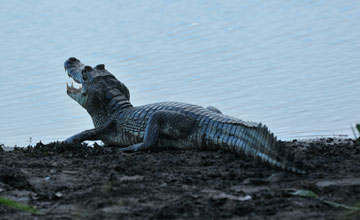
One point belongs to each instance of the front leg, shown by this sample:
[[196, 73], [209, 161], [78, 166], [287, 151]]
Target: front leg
[[170, 123], [91, 134]]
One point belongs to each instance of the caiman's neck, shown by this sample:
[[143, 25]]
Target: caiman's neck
[[112, 110]]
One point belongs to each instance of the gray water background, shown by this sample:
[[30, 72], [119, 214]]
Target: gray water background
[[293, 65]]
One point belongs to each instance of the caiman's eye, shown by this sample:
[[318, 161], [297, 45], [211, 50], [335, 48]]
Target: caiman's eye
[[85, 72], [84, 75], [87, 68]]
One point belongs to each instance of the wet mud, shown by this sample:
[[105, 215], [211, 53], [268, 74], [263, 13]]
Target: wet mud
[[82, 182]]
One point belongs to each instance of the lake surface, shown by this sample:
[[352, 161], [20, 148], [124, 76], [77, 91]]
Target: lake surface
[[293, 65]]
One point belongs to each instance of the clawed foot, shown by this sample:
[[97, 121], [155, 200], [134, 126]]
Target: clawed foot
[[134, 147]]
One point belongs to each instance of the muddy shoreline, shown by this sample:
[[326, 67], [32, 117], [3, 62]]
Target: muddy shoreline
[[81, 182]]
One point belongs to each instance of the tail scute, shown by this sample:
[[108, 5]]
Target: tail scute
[[272, 151]]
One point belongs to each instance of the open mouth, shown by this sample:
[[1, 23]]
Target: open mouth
[[73, 67], [71, 89]]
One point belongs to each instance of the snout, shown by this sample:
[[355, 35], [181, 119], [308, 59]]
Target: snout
[[73, 67], [72, 61]]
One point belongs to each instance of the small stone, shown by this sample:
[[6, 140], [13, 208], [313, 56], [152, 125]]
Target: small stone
[[329, 140], [163, 184], [58, 194], [231, 197], [255, 181], [131, 178], [34, 196]]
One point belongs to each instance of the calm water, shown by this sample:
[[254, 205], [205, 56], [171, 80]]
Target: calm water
[[293, 65]]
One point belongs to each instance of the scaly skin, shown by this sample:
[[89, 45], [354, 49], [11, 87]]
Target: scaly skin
[[165, 124]]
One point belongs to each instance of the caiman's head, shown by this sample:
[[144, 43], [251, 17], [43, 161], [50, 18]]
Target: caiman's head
[[99, 90]]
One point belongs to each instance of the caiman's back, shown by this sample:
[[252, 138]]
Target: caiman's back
[[210, 130]]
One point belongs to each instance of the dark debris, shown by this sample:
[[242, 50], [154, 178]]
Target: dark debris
[[79, 181]]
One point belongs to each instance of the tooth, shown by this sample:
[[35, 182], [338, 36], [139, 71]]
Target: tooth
[[72, 84]]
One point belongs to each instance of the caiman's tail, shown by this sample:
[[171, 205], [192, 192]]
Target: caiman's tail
[[260, 143]]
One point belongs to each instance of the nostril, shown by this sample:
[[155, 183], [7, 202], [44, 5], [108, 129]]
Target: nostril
[[73, 59]]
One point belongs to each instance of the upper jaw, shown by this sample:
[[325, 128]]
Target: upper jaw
[[74, 67]]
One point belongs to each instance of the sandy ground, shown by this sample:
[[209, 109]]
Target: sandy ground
[[81, 182]]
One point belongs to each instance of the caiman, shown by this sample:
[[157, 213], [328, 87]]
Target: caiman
[[165, 124]]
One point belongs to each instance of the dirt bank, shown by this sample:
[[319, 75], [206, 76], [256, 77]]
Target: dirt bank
[[80, 182]]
